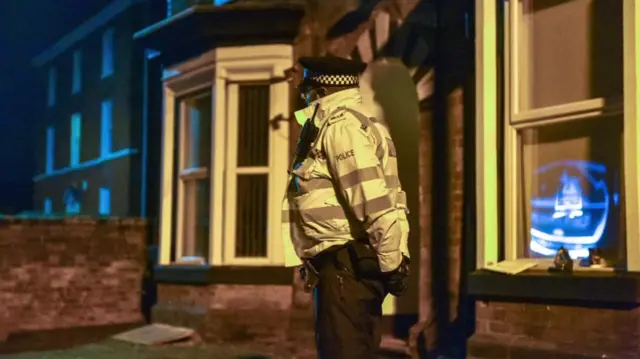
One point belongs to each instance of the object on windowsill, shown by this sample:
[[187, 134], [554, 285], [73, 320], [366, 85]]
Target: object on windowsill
[[595, 259], [191, 261], [511, 266], [562, 262]]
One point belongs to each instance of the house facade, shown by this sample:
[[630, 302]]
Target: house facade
[[93, 144], [228, 137]]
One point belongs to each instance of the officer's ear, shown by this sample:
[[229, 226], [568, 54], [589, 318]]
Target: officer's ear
[[322, 91]]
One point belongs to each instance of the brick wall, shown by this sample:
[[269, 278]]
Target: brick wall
[[62, 273], [523, 330], [228, 313]]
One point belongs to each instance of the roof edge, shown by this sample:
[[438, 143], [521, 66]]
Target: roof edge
[[83, 30]]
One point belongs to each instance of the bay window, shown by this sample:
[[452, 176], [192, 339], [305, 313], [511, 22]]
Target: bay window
[[224, 164], [557, 130]]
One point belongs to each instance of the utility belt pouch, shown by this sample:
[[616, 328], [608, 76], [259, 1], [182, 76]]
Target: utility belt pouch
[[309, 274], [364, 259]]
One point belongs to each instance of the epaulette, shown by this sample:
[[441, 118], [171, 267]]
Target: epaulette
[[365, 122], [337, 116]]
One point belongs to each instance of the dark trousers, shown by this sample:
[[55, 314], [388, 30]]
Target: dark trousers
[[348, 309]]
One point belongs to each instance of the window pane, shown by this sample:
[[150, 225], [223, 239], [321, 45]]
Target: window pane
[[51, 93], [50, 149], [195, 240], [106, 128], [251, 215], [572, 177], [48, 205], [76, 139], [198, 131], [104, 205], [253, 125], [77, 72], [569, 50], [107, 53]]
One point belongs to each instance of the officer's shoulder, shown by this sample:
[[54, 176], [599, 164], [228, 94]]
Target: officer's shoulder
[[347, 116]]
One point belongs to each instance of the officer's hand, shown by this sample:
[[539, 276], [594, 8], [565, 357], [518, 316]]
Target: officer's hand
[[397, 281]]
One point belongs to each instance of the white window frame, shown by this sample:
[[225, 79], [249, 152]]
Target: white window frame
[[50, 150], [106, 128], [76, 82], [108, 50], [75, 139], [189, 174], [104, 201], [220, 69], [487, 120], [52, 84]]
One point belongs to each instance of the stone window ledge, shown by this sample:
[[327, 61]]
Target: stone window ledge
[[599, 287], [204, 275]]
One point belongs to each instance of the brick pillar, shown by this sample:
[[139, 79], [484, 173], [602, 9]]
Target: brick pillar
[[455, 142]]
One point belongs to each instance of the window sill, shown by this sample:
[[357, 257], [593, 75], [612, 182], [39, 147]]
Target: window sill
[[205, 274], [581, 286]]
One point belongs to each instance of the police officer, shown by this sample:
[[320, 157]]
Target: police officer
[[344, 218]]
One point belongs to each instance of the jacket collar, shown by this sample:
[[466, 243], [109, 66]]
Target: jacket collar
[[327, 105]]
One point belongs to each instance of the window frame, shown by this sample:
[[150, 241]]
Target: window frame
[[107, 58], [76, 81], [487, 120], [216, 70], [186, 174]]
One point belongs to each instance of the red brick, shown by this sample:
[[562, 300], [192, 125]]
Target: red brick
[[529, 328], [70, 273], [237, 313]]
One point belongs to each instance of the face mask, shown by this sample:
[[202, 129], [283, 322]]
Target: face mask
[[313, 95]]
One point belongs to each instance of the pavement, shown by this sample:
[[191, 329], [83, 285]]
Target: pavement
[[94, 343]]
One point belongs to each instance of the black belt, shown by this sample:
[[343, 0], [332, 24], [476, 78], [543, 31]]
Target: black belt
[[355, 256], [337, 256]]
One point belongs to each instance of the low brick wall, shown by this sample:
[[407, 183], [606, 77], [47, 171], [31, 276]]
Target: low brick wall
[[528, 330], [63, 273], [226, 313]]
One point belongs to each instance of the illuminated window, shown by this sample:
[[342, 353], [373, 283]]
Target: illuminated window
[[106, 128], [77, 72], [104, 202], [51, 137], [76, 139], [571, 188], [250, 152], [47, 206], [229, 186], [72, 200], [51, 93], [570, 137], [107, 52]]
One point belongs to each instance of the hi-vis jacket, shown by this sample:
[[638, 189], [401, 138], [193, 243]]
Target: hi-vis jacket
[[346, 187]]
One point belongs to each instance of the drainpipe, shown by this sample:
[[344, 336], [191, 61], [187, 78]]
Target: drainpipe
[[149, 54]]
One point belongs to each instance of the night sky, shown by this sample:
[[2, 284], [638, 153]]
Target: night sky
[[27, 27]]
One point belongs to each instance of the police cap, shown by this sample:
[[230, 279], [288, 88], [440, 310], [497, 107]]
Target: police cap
[[331, 71]]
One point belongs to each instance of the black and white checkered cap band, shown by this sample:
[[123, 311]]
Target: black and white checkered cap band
[[333, 80]]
